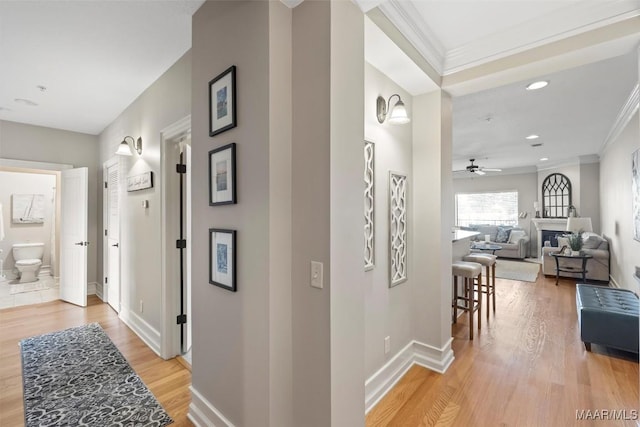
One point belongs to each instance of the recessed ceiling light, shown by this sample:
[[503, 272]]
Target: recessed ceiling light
[[544, 159], [23, 101], [537, 85], [532, 137]]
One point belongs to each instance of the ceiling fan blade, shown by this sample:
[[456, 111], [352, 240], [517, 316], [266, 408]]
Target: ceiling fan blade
[[492, 169], [479, 172]]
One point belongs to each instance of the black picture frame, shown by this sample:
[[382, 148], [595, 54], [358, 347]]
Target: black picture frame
[[222, 258], [222, 102], [222, 175]]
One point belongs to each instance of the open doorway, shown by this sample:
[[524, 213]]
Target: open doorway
[[176, 239], [43, 233]]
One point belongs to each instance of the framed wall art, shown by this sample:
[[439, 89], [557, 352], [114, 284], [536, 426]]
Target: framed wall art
[[222, 175], [222, 258], [369, 199], [140, 182], [222, 102], [397, 228]]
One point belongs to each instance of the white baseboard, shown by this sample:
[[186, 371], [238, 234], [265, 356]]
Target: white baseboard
[[203, 414], [100, 291], [142, 329], [414, 353], [613, 282], [91, 288]]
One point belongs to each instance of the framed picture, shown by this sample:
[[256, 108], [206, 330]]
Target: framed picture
[[140, 182], [222, 175], [222, 258], [222, 102], [397, 228]]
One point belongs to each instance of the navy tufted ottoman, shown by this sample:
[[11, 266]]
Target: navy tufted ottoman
[[607, 316]]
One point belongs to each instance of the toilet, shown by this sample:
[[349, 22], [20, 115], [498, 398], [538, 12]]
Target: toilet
[[28, 258]]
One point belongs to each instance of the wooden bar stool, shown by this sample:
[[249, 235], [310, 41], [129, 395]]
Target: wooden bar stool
[[489, 289], [469, 271]]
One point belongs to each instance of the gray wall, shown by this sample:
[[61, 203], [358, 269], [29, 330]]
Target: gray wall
[[616, 205], [386, 309], [40, 144], [166, 101], [231, 330]]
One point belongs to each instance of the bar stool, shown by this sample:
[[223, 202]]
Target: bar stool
[[489, 290], [469, 271]]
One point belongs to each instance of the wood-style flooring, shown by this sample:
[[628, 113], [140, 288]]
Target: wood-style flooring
[[168, 380], [527, 367]]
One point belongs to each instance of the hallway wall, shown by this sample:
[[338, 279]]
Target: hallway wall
[[20, 141]]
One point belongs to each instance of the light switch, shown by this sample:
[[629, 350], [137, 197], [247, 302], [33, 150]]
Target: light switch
[[316, 274]]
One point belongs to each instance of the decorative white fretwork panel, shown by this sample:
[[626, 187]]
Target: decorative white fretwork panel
[[397, 228], [369, 198]]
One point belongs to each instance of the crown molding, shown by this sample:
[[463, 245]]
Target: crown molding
[[548, 28], [577, 17], [624, 117], [408, 21]]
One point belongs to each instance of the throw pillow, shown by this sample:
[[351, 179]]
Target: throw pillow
[[563, 241], [516, 235], [591, 242], [503, 234]]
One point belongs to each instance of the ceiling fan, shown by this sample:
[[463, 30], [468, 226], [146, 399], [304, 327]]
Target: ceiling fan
[[478, 169]]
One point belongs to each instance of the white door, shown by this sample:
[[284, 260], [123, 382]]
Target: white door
[[112, 222], [187, 266], [73, 236]]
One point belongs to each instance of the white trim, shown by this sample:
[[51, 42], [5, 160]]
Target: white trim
[[91, 288], [408, 21], [559, 24], [100, 291], [614, 283], [414, 353], [170, 338], [27, 164], [625, 115], [141, 328], [203, 414]]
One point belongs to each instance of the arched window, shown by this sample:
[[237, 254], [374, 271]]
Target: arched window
[[556, 196]]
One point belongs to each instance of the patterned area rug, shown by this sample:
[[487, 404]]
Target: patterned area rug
[[77, 377], [517, 270]]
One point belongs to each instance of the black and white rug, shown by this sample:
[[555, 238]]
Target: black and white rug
[[77, 377]]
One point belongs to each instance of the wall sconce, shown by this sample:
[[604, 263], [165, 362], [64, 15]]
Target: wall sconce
[[397, 114], [124, 149]]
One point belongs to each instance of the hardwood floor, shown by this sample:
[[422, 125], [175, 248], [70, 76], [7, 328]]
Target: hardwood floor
[[168, 380], [527, 367]]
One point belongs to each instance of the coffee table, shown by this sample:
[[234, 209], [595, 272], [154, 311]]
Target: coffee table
[[569, 268], [481, 246]]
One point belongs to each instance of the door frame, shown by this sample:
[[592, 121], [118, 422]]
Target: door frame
[[114, 161], [170, 336]]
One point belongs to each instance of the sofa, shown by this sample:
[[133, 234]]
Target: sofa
[[592, 244], [513, 240]]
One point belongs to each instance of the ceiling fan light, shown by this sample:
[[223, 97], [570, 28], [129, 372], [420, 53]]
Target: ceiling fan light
[[532, 136], [479, 172]]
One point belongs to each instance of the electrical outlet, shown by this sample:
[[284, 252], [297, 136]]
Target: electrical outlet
[[141, 306], [387, 345], [316, 274]]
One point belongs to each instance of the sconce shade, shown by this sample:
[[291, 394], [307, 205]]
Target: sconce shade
[[575, 224], [124, 149], [397, 114]]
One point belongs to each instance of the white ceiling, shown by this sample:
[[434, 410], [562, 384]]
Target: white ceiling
[[573, 115], [94, 57]]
